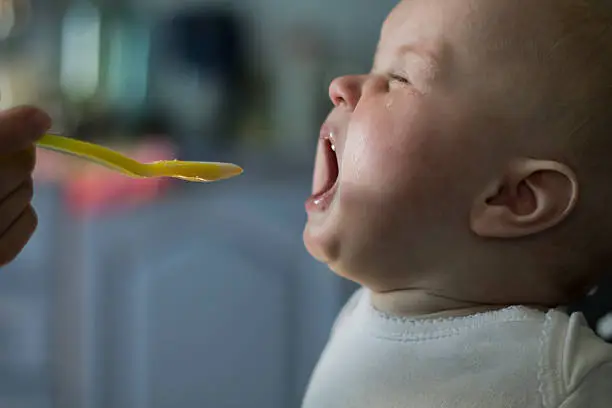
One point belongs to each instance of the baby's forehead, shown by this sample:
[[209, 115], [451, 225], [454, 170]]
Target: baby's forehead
[[484, 40], [477, 25], [532, 58]]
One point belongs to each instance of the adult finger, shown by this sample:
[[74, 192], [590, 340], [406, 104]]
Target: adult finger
[[13, 205], [17, 236], [15, 169], [20, 127]]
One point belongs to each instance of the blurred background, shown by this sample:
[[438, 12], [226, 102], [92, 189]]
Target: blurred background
[[139, 293]]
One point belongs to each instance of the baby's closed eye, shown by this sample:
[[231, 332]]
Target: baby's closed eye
[[399, 78]]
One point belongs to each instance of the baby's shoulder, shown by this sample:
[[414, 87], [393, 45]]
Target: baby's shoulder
[[573, 358]]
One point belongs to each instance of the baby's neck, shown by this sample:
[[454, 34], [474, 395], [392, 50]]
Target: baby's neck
[[423, 304]]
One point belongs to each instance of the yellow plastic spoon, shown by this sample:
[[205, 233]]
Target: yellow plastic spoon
[[184, 170]]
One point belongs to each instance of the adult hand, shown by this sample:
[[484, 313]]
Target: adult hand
[[19, 129]]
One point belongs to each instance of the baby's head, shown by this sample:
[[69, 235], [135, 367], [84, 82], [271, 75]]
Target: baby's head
[[472, 160]]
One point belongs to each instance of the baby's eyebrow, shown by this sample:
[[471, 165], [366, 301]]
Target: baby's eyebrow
[[430, 64], [415, 50], [430, 61]]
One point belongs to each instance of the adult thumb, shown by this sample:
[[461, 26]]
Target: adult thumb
[[20, 127]]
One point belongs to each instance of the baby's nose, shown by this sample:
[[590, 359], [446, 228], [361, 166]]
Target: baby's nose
[[346, 91]]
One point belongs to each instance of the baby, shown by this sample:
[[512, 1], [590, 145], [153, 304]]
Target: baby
[[465, 183]]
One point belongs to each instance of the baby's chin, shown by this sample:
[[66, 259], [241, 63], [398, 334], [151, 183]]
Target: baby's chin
[[328, 248], [319, 242]]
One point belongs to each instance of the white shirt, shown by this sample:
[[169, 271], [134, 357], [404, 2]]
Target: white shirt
[[511, 358]]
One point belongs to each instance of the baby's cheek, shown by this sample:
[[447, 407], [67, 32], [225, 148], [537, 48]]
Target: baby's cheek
[[370, 170], [372, 156]]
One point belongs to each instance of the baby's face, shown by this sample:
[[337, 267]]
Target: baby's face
[[409, 145]]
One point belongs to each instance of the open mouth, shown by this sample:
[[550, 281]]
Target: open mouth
[[326, 174], [331, 161]]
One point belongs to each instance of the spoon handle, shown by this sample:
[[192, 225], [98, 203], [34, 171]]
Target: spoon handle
[[92, 152]]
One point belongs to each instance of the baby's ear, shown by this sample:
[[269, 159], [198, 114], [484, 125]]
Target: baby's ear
[[532, 196]]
